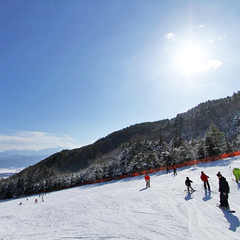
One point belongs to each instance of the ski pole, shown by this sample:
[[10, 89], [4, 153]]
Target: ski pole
[[212, 184], [231, 172], [232, 177]]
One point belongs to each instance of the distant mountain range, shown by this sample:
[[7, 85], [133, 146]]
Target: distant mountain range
[[24, 158]]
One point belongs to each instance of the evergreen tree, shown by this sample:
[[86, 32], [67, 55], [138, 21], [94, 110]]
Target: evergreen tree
[[215, 141], [200, 149], [176, 142]]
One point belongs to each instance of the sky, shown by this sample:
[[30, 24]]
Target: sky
[[75, 71]]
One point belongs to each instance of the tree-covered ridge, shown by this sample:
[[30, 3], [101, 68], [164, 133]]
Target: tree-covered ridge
[[210, 129]]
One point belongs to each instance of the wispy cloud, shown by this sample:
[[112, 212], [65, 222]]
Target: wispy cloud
[[206, 66], [217, 39], [170, 36], [211, 64], [221, 37], [211, 40], [200, 26], [20, 140]]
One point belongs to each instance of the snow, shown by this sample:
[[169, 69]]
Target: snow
[[124, 209], [7, 172], [10, 170]]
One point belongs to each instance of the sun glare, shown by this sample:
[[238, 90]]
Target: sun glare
[[190, 59]]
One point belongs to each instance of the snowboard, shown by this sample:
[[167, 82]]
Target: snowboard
[[227, 210]]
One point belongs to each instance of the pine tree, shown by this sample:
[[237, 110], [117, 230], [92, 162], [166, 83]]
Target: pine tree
[[215, 141], [200, 149]]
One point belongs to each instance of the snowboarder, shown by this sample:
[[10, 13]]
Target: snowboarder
[[188, 184], [147, 179], [204, 178], [224, 190], [236, 173]]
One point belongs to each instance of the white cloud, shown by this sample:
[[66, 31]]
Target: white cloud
[[211, 40], [170, 36], [200, 26], [217, 39], [221, 37], [211, 64], [20, 140]]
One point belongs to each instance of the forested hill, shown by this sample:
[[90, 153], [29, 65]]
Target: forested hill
[[211, 128]]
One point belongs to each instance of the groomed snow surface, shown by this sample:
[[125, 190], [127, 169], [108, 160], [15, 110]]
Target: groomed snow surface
[[123, 209]]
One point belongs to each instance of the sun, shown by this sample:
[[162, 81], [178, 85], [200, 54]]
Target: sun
[[190, 59]]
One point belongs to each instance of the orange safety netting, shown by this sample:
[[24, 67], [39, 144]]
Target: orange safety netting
[[180, 165], [177, 165]]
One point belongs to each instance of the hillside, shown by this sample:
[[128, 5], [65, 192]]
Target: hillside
[[209, 129], [123, 209]]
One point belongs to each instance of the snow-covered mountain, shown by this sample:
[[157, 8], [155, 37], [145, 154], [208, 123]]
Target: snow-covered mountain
[[24, 158], [124, 209]]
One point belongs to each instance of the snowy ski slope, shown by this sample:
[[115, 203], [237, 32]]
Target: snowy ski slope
[[123, 209]]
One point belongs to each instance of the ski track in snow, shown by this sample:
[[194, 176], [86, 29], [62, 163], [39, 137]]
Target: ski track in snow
[[124, 209]]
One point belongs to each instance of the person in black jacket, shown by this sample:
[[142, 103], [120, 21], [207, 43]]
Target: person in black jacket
[[224, 191], [188, 184]]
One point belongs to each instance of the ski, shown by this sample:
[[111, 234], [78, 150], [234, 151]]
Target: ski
[[192, 191], [225, 209], [209, 191]]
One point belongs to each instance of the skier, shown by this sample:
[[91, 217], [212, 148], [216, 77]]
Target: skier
[[174, 170], [147, 179], [236, 173], [168, 171], [188, 184], [204, 178], [224, 190]]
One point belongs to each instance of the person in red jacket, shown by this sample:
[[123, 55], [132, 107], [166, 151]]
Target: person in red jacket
[[204, 178], [147, 179]]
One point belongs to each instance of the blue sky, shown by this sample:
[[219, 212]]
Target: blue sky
[[75, 71]]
